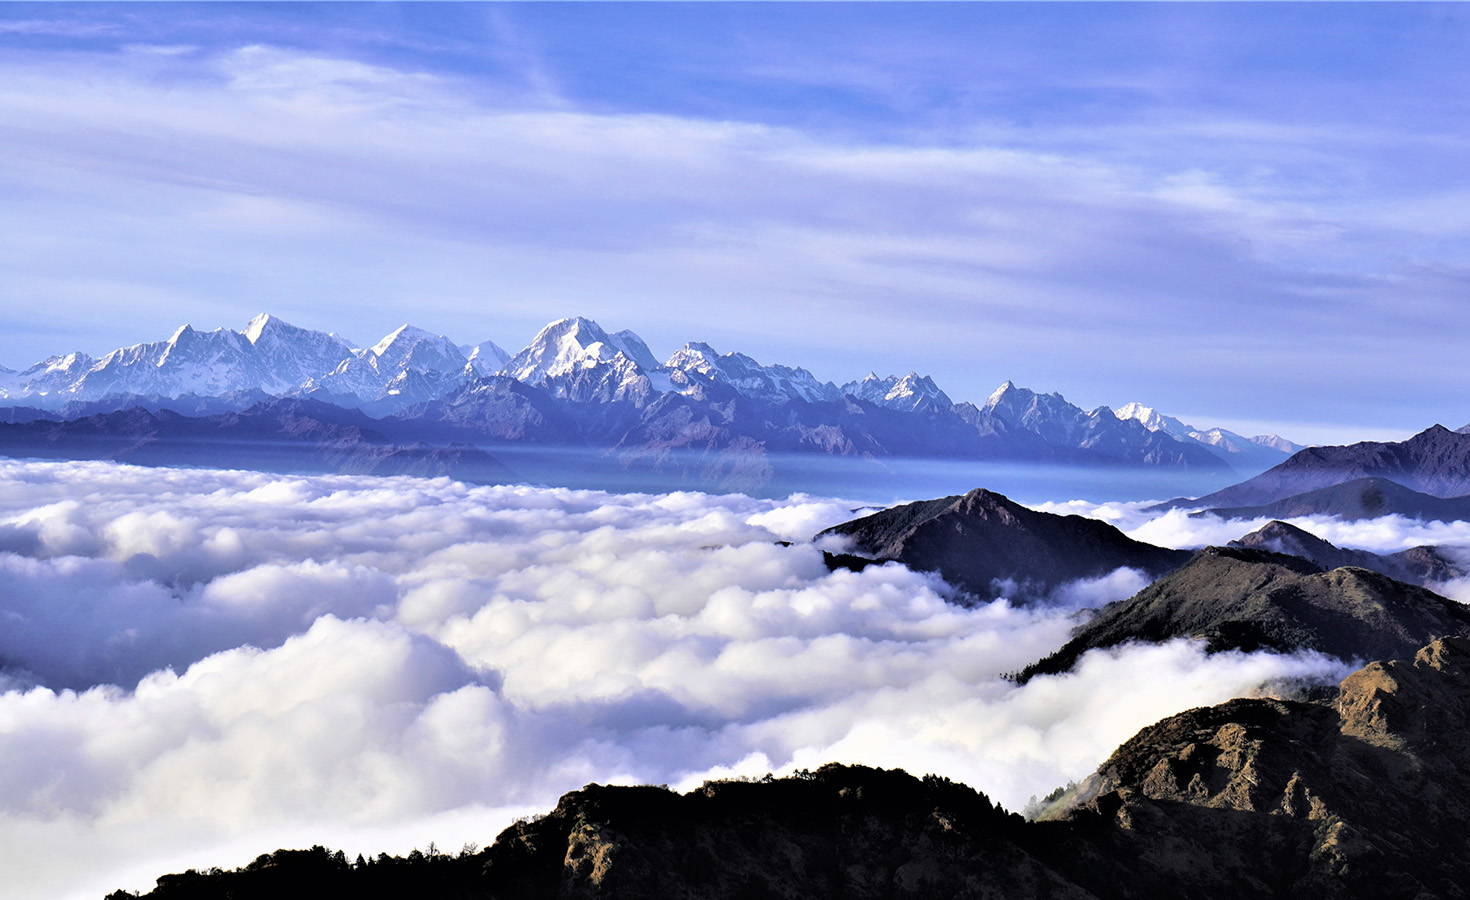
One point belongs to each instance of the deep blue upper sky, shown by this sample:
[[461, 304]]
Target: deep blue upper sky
[[1252, 215]]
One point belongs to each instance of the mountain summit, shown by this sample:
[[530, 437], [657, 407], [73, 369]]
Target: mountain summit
[[988, 545]]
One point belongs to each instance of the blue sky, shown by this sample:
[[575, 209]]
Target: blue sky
[[1250, 215]]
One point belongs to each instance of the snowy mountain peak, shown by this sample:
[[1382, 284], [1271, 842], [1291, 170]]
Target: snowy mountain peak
[[698, 364], [911, 392], [1276, 442], [691, 350], [1154, 420], [258, 325], [578, 329], [485, 358], [1049, 415], [998, 393], [559, 348], [1258, 452], [1009, 396], [575, 359], [404, 333], [633, 347]]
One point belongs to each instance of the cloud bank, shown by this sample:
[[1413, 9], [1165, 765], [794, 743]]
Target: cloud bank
[[204, 665]]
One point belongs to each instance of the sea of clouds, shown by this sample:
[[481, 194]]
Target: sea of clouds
[[200, 666]]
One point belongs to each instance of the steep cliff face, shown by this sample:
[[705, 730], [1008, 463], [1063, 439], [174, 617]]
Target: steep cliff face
[[1365, 797]]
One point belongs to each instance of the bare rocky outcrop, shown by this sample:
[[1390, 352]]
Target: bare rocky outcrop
[[1365, 796]]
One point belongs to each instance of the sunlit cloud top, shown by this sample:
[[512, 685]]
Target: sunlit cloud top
[[1244, 215]]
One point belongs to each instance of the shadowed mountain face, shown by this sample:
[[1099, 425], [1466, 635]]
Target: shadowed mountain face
[[980, 540], [1417, 565], [1435, 461], [1361, 498], [1360, 797], [1243, 599]]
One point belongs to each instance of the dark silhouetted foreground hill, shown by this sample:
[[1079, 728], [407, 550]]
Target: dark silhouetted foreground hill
[[981, 539], [1363, 796], [1236, 598]]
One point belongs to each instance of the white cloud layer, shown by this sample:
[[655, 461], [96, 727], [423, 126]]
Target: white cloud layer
[[205, 665]]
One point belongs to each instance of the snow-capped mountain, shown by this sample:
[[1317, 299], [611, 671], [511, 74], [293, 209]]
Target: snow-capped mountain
[[409, 365], [577, 384], [910, 393], [485, 358], [1048, 415], [189, 362], [1262, 450], [632, 346], [697, 366], [48, 382], [270, 356], [293, 355], [574, 359]]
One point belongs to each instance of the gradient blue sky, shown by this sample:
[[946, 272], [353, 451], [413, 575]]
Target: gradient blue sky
[[1249, 215]]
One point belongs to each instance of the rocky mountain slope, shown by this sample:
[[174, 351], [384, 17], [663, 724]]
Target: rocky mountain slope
[[987, 545], [1234, 598], [1359, 796], [1435, 461], [1361, 498], [1424, 566], [1362, 797]]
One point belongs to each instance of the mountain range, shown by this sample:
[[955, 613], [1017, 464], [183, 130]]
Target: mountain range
[[710, 417]]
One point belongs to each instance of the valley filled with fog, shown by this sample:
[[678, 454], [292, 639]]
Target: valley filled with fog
[[203, 665]]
